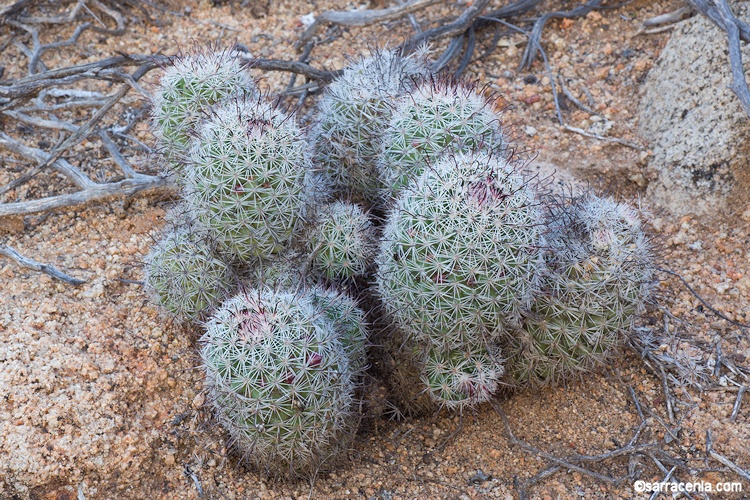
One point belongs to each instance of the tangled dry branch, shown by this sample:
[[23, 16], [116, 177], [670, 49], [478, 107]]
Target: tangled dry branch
[[41, 103]]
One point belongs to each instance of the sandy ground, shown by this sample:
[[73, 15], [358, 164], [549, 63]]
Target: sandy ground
[[100, 396]]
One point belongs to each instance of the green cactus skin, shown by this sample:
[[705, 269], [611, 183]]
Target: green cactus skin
[[461, 378], [460, 254], [439, 115], [341, 241], [352, 115], [600, 274], [247, 178], [280, 381], [185, 277], [286, 271], [188, 88]]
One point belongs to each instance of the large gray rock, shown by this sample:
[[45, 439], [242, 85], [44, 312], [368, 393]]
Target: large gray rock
[[695, 124]]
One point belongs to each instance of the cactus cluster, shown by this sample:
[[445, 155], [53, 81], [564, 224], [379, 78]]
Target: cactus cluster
[[477, 279]]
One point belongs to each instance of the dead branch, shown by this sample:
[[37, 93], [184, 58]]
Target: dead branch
[[98, 192], [721, 14], [51, 270], [362, 17], [42, 83], [106, 69], [568, 463], [457, 27], [572, 98], [467, 35], [598, 137], [8, 11], [536, 32], [701, 299], [291, 66], [724, 460], [675, 16], [737, 403]]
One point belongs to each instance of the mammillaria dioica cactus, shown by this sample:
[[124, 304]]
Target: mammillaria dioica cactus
[[246, 178], [185, 277], [440, 115], [281, 381], [188, 88], [289, 273], [463, 376], [353, 113], [461, 254], [599, 276], [461, 250], [341, 241]]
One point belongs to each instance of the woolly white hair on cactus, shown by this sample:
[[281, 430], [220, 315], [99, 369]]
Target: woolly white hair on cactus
[[461, 251], [247, 177], [188, 88], [600, 274], [440, 115], [353, 113]]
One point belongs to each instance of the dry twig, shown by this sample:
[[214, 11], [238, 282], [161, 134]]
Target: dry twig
[[26, 100], [724, 460], [51, 270], [568, 462], [721, 14], [363, 17], [737, 403]]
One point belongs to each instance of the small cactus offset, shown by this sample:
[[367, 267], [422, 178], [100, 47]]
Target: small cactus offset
[[281, 382], [462, 377], [341, 241], [247, 177], [352, 115], [188, 88], [460, 255], [440, 115], [185, 277], [343, 312], [599, 276]]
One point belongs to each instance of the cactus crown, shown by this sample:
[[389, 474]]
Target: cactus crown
[[352, 115]]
